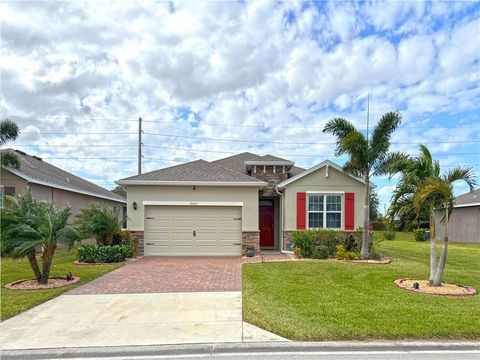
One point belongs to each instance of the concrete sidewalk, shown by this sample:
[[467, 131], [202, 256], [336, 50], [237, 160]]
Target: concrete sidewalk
[[131, 319]]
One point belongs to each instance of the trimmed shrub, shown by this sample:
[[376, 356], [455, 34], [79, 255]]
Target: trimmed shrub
[[419, 234], [105, 254], [322, 252]]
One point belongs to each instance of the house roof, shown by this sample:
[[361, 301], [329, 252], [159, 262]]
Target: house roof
[[34, 170], [237, 162], [196, 172], [315, 168], [471, 198]]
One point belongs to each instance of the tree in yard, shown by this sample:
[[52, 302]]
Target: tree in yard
[[100, 222], [368, 156], [412, 170], [374, 205], [28, 224], [8, 132], [438, 192], [120, 190]]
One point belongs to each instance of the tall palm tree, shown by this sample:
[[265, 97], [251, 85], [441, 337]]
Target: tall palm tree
[[368, 157], [413, 171], [8, 132], [438, 190], [28, 224]]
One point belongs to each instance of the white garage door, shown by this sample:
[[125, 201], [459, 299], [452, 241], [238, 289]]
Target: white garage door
[[193, 230]]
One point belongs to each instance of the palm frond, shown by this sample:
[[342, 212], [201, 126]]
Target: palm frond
[[339, 127], [461, 173], [8, 131], [380, 141]]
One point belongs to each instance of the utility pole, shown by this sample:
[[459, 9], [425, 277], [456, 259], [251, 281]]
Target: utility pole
[[139, 145]]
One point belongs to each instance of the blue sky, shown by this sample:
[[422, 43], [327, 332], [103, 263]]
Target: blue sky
[[211, 79]]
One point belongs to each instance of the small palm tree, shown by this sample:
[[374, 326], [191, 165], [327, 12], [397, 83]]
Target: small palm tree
[[8, 132], [412, 170], [438, 190], [367, 156], [28, 224], [99, 221]]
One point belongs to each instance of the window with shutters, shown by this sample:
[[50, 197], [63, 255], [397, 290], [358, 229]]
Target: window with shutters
[[324, 211]]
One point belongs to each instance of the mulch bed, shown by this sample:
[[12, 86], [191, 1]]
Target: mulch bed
[[32, 284], [447, 289], [78, 262], [380, 262]]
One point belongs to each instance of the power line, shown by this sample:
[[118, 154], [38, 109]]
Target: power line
[[251, 141], [245, 125]]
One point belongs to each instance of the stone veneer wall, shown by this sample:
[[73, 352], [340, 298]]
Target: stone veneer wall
[[270, 178], [287, 239], [139, 236], [251, 239]]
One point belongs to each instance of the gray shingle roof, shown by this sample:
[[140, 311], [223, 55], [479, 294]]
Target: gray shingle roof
[[472, 197], [237, 162], [40, 171], [199, 170]]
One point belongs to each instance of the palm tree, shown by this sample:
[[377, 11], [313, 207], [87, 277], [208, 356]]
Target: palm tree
[[28, 224], [8, 132], [438, 190], [99, 221], [367, 156], [413, 171]]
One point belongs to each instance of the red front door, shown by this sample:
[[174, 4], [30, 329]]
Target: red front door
[[266, 222]]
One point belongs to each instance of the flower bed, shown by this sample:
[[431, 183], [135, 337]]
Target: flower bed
[[93, 254], [447, 289]]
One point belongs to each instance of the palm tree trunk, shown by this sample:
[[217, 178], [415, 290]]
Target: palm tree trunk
[[34, 265], [433, 258], [437, 280], [366, 221], [47, 259]]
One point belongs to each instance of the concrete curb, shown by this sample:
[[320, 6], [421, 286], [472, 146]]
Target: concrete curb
[[231, 348]]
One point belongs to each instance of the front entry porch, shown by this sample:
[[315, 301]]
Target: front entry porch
[[269, 215]]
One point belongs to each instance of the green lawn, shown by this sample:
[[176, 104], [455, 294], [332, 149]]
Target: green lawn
[[328, 300], [16, 301]]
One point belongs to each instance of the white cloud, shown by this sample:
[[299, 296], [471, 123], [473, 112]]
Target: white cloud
[[286, 66]]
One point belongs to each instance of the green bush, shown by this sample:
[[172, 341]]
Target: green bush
[[419, 234], [104, 254], [389, 235], [322, 252], [342, 254]]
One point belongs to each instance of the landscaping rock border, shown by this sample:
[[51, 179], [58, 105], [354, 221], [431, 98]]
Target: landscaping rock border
[[57, 283], [465, 290]]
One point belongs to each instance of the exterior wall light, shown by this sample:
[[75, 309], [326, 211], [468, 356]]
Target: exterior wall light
[[134, 205]]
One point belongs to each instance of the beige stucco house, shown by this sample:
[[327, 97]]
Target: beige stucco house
[[48, 182], [246, 200]]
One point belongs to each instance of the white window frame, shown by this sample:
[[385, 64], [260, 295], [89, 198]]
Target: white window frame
[[324, 210]]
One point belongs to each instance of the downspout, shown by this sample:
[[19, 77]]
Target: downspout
[[282, 215]]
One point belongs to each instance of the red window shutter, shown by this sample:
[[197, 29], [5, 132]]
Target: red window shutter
[[349, 211], [301, 210]]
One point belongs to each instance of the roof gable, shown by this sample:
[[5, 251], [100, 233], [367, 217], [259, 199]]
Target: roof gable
[[35, 170], [316, 168], [237, 162]]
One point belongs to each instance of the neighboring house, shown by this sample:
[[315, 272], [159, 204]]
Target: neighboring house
[[246, 200], [48, 182], [464, 223]]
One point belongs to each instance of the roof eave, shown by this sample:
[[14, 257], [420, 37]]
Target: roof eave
[[191, 183], [45, 183]]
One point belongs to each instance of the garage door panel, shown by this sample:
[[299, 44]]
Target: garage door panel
[[169, 230]]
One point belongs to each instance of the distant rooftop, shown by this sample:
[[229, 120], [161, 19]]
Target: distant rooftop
[[35, 170]]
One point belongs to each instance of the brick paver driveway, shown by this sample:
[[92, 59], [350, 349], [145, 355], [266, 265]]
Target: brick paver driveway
[[169, 274]]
